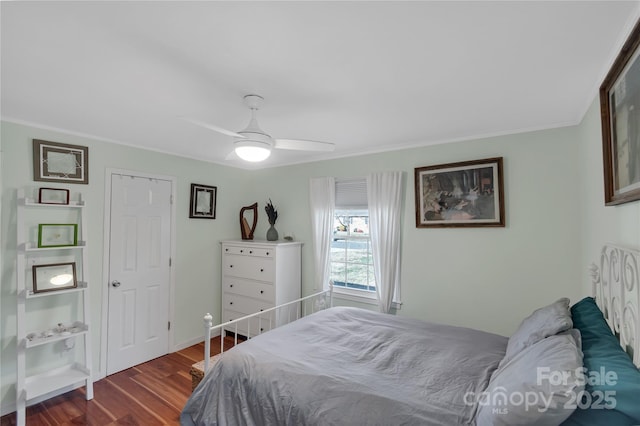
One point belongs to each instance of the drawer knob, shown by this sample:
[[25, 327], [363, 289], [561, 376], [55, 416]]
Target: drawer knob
[[231, 303], [250, 251], [230, 285], [267, 253], [230, 266], [261, 291], [241, 251], [226, 249], [261, 270], [261, 329], [261, 310]]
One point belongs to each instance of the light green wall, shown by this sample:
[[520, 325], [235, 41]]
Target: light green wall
[[485, 278], [197, 262], [481, 277], [600, 224]]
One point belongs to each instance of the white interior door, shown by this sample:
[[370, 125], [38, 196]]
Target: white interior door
[[139, 271]]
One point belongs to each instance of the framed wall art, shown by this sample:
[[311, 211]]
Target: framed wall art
[[202, 204], [57, 235], [54, 276], [53, 196], [465, 194], [59, 162], [620, 113]]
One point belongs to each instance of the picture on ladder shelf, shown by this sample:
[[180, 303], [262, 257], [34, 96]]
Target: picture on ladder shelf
[[57, 235], [54, 276], [53, 196]]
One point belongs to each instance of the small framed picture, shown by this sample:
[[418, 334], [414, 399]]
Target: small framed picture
[[54, 276], [60, 162], [53, 196], [203, 201], [57, 235], [465, 194]]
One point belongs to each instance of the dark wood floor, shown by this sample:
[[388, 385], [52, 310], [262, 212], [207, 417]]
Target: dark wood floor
[[152, 393]]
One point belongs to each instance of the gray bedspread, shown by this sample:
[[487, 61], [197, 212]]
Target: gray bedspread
[[348, 366]]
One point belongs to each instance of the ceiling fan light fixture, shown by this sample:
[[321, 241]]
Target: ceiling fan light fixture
[[253, 144], [253, 151]]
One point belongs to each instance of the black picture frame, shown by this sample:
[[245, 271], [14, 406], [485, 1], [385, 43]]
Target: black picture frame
[[202, 203], [53, 196]]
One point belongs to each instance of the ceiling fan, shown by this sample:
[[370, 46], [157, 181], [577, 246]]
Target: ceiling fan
[[254, 144]]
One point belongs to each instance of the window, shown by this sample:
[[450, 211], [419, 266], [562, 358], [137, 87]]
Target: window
[[351, 259], [344, 223]]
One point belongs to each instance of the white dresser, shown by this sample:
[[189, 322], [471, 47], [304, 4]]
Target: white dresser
[[256, 276]]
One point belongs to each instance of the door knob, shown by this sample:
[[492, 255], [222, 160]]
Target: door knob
[[115, 283]]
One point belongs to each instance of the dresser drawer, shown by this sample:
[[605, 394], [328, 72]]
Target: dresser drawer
[[244, 305], [254, 268], [249, 251], [251, 327], [242, 287]]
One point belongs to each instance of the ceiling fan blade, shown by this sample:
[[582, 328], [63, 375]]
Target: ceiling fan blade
[[232, 156], [303, 145], [211, 127]]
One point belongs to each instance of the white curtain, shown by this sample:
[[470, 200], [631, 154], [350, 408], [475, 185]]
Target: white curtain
[[322, 202], [384, 193]]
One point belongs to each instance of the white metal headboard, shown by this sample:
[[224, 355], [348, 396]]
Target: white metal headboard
[[615, 288]]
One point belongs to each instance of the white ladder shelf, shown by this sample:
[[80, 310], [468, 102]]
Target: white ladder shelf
[[30, 388]]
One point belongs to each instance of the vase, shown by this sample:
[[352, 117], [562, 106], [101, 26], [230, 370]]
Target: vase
[[272, 234]]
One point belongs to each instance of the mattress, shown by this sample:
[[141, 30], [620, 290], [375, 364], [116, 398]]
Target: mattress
[[349, 366]]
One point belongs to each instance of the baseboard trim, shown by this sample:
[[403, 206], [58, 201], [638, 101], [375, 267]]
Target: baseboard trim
[[194, 341]]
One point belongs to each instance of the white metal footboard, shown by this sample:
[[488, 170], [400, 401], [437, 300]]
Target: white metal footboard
[[267, 319]]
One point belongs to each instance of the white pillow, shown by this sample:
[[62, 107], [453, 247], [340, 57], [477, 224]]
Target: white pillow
[[543, 322], [540, 385]]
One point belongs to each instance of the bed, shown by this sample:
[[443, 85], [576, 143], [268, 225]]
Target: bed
[[346, 366]]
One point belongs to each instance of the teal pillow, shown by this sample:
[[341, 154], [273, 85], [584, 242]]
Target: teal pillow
[[602, 353]]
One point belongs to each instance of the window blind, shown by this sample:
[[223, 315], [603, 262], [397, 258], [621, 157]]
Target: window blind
[[351, 193]]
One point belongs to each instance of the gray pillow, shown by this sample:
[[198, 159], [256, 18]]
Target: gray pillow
[[543, 322], [541, 385]]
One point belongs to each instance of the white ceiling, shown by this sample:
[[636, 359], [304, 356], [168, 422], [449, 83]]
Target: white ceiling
[[367, 76]]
